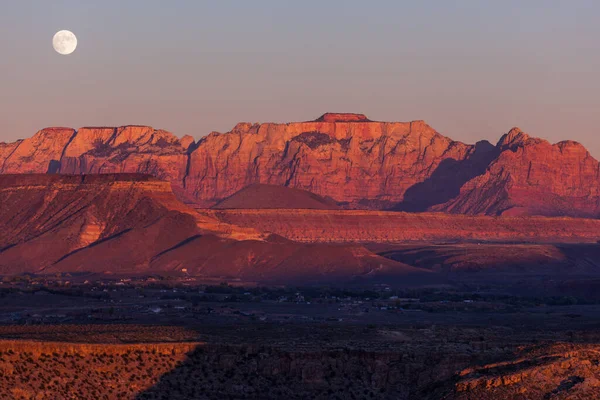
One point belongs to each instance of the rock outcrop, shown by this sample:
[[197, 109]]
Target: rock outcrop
[[128, 149], [39, 154], [343, 117], [563, 371], [405, 166], [363, 164], [533, 177], [347, 157]]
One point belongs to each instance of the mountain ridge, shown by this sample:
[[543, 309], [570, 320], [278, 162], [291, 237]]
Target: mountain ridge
[[361, 164]]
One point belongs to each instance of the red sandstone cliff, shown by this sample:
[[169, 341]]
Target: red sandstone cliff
[[359, 162], [355, 161], [133, 149], [533, 177]]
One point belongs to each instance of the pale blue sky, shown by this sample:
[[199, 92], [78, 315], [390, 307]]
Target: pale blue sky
[[471, 69]]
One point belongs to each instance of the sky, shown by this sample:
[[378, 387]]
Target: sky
[[471, 69]]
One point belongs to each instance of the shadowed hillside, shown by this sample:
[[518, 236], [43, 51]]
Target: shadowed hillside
[[260, 196], [133, 224]]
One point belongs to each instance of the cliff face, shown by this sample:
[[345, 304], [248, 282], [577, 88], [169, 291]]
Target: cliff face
[[564, 371], [343, 156], [355, 161], [367, 164], [132, 149], [38, 154], [533, 177], [343, 226]]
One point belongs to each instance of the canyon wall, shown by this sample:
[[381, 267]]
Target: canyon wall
[[533, 177], [359, 163]]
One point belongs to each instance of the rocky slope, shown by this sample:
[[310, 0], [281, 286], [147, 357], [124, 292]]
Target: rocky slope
[[424, 362], [133, 224], [34, 370], [357, 162], [533, 177], [563, 371], [46, 370], [323, 363], [343, 226], [261, 196], [46, 218]]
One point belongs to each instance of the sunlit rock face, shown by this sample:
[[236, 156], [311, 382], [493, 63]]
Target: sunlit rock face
[[531, 176], [355, 161], [39, 153], [359, 163]]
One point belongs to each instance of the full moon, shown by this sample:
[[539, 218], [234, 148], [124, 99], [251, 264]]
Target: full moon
[[64, 42]]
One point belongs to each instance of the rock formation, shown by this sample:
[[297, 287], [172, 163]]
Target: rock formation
[[133, 149], [128, 224], [533, 177], [39, 154], [364, 164], [357, 162], [46, 218], [261, 196], [347, 226], [562, 371]]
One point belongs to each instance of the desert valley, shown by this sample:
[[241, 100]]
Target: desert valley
[[335, 258], [296, 200]]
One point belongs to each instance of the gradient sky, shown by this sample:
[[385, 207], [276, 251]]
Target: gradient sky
[[471, 69]]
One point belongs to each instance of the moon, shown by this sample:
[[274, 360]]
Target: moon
[[64, 42]]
